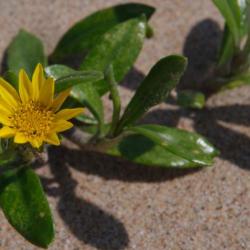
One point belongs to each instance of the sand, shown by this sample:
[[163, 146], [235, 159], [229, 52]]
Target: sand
[[103, 203]]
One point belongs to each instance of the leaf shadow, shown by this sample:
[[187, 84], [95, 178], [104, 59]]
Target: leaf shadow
[[201, 48], [233, 145], [114, 168], [87, 222]]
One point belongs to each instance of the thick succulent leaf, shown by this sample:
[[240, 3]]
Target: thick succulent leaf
[[84, 34], [189, 146], [25, 206], [66, 77], [141, 149], [191, 99], [162, 78], [119, 47], [25, 52]]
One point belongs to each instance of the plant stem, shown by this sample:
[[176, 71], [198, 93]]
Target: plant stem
[[109, 76]]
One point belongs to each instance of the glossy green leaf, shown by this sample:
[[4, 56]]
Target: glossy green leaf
[[191, 99], [85, 34], [142, 150], [119, 47], [25, 206], [25, 52], [189, 146], [162, 78], [66, 77]]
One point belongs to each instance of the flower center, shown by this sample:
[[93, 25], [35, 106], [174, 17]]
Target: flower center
[[32, 119]]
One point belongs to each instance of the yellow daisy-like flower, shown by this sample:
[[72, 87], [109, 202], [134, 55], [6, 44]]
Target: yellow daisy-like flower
[[33, 115]]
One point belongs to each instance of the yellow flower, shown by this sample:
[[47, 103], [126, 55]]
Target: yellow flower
[[33, 115]]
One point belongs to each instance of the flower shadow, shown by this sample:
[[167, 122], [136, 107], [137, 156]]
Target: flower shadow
[[87, 222]]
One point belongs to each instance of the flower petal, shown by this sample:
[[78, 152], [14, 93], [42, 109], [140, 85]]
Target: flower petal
[[52, 139], [37, 81], [5, 107], [67, 114], [61, 125], [24, 86], [36, 143], [20, 138], [6, 132], [4, 118], [8, 93], [59, 100], [47, 92]]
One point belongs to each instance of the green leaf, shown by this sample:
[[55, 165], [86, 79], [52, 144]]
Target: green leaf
[[142, 150], [227, 48], [234, 12], [25, 206], [12, 78], [86, 119], [25, 52], [231, 17], [89, 97], [191, 99], [162, 78], [119, 47], [84, 34], [66, 77], [57, 71], [236, 81], [189, 146]]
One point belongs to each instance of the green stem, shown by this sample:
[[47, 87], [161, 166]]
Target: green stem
[[109, 76]]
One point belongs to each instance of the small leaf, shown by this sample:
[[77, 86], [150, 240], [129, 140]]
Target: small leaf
[[66, 77], [119, 47], [191, 99], [162, 78], [25, 206], [189, 146], [25, 52], [84, 34]]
